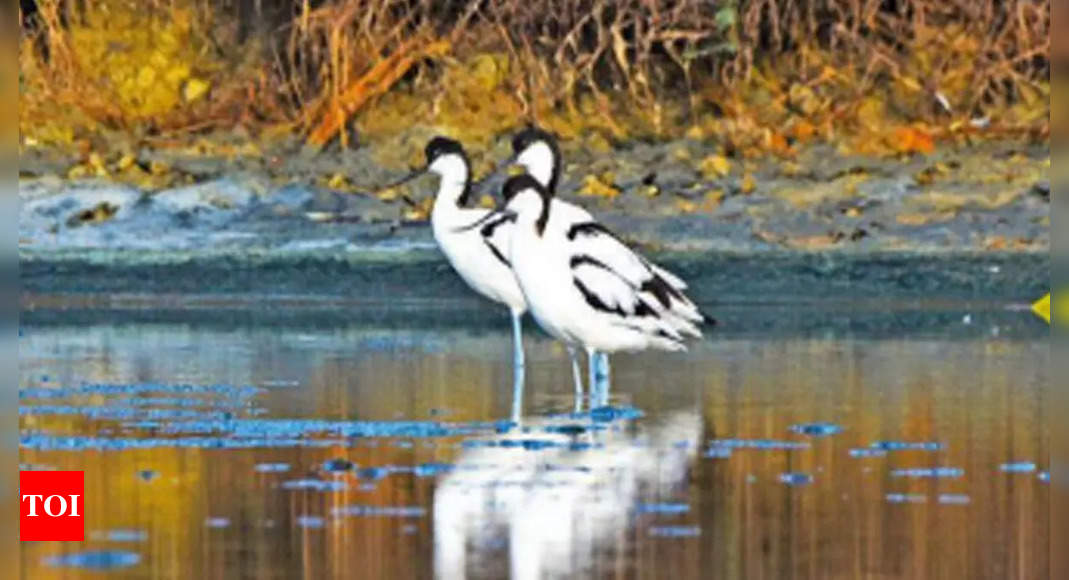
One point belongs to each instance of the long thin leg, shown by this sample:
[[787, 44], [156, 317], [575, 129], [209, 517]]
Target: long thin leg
[[518, 367], [592, 368], [605, 374], [577, 377]]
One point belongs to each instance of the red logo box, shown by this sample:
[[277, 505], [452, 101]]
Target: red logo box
[[51, 506]]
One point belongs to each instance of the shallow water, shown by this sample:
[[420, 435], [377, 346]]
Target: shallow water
[[903, 443]]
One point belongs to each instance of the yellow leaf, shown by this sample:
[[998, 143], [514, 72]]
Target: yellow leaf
[[712, 200], [871, 113], [337, 181], [649, 190], [146, 77], [194, 89], [390, 194], [420, 211], [715, 166], [686, 206], [158, 168], [126, 162], [748, 184], [911, 84], [594, 186]]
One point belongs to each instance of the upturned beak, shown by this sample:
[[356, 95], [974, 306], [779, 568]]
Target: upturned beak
[[508, 166], [413, 175]]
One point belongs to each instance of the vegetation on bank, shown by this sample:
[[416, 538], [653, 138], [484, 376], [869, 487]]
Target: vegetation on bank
[[754, 76]]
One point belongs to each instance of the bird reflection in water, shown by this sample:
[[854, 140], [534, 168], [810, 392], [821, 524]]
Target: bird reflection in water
[[557, 491]]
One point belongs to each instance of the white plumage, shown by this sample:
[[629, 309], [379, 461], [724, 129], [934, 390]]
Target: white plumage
[[586, 287], [605, 271], [476, 243]]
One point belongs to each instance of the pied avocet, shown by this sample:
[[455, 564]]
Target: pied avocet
[[475, 241], [585, 287], [538, 153]]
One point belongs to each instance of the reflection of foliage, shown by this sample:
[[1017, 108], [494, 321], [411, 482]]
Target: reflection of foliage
[[758, 74]]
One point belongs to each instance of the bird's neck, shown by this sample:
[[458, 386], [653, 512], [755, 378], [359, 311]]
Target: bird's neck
[[454, 189], [541, 163], [532, 216]]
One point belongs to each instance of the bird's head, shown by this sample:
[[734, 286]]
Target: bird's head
[[537, 151], [446, 157], [527, 200]]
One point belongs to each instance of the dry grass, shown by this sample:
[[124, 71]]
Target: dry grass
[[763, 73]]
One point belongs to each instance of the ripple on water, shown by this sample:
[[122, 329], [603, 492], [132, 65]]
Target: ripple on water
[[241, 392], [272, 467], [717, 452], [954, 499], [338, 465], [906, 498], [796, 479], [662, 508], [95, 560], [1018, 467], [120, 535], [817, 429], [907, 445], [675, 531], [761, 444], [313, 522], [867, 452], [379, 511], [373, 473], [929, 472], [314, 485]]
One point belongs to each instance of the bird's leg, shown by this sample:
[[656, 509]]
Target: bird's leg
[[577, 377], [592, 367], [517, 367], [604, 378]]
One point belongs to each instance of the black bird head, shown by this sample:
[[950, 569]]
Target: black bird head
[[440, 146], [522, 182], [532, 136]]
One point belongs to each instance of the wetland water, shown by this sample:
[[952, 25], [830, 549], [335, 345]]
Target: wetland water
[[327, 442]]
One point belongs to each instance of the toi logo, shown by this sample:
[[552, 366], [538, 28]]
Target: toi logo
[[51, 506]]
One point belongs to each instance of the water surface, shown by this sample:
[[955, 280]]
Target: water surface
[[326, 443]]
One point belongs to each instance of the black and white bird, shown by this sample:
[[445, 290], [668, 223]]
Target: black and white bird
[[587, 288], [608, 276], [475, 241]]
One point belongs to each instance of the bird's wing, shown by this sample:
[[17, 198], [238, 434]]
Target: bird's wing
[[595, 240], [496, 231], [592, 233], [605, 290]]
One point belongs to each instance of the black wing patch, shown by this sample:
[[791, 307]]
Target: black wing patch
[[497, 253], [663, 291], [592, 299], [588, 229], [492, 216], [488, 229], [595, 302], [656, 286]]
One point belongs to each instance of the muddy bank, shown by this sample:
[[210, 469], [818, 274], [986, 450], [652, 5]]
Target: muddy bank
[[962, 222], [681, 195]]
